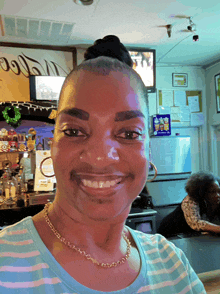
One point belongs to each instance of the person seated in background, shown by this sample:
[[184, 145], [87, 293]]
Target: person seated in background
[[199, 210]]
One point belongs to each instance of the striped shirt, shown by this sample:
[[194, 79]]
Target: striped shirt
[[27, 266]]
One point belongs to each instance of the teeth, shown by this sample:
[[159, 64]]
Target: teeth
[[100, 184]]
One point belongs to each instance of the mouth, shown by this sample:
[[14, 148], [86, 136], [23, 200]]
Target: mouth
[[100, 185]]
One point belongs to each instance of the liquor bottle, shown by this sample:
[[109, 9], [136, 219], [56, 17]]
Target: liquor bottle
[[20, 181], [20, 187], [1, 192], [10, 186]]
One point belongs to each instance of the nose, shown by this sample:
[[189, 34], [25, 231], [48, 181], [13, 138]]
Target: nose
[[100, 154]]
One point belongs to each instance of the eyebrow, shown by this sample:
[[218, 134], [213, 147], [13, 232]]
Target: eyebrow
[[75, 112], [126, 115], [120, 116]]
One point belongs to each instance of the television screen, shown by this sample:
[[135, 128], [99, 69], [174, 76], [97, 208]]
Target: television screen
[[44, 88], [144, 65]]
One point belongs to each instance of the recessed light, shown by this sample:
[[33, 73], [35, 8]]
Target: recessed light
[[83, 2]]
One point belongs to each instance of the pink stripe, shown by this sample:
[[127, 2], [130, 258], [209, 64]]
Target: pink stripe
[[162, 284], [18, 232], [22, 269], [26, 242], [32, 284], [186, 290], [19, 255]]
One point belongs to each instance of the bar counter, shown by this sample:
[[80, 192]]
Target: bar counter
[[35, 202], [31, 205], [203, 254]]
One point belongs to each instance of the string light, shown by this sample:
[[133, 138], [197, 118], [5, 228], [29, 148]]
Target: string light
[[29, 105]]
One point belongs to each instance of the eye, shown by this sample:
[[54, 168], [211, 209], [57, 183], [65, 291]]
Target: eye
[[74, 133], [130, 135]]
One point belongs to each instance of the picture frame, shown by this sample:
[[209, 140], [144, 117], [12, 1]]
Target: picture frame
[[217, 91], [180, 79]]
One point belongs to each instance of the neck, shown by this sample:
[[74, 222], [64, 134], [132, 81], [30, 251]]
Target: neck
[[85, 233]]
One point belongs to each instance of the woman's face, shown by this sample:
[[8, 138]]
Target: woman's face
[[214, 193], [100, 145]]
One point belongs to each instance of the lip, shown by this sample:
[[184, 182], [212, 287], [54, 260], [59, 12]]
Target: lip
[[100, 177], [104, 192]]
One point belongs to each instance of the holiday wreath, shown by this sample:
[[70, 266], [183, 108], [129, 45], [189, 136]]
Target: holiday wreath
[[11, 120]]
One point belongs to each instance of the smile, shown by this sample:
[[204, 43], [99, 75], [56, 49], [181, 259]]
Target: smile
[[100, 184]]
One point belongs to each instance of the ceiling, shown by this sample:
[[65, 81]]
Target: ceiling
[[139, 23]]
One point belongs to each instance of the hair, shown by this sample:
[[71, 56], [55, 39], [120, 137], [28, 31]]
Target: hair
[[109, 46], [198, 186], [109, 54]]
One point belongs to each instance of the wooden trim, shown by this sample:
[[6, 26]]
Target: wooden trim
[[42, 47], [74, 57], [1, 26]]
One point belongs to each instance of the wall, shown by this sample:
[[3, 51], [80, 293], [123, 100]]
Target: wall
[[170, 192], [196, 81], [213, 120]]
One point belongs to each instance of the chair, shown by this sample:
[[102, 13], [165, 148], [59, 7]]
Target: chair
[[174, 223]]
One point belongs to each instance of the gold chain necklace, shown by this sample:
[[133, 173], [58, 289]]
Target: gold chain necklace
[[82, 252]]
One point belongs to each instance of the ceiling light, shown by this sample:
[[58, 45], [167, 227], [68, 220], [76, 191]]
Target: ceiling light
[[83, 2]]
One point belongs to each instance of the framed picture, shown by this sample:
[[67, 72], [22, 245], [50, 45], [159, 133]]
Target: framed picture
[[217, 91], [180, 80]]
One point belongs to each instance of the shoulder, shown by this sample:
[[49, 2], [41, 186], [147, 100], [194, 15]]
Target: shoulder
[[166, 265], [16, 238], [159, 252], [188, 201], [16, 229], [155, 245]]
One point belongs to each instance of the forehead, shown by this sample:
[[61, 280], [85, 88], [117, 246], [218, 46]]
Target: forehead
[[117, 90]]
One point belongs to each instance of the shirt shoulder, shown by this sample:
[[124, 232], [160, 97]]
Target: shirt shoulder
[[17, 238], [18, 229], [23, 266], [167, 266], [189, 199]]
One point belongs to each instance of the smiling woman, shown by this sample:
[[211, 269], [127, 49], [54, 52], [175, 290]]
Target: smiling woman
[[80, 243]]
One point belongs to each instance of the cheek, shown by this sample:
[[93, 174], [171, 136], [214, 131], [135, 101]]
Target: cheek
[[142, 153], [138, 159], [143, 161], [61, 154]]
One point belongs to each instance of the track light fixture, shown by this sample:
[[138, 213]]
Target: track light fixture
[[191, 26]]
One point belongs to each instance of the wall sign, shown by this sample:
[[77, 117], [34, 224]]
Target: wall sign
[[17, 64], [180, 80], [161, 125], [217, 91]]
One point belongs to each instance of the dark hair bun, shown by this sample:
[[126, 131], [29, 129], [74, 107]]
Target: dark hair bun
[[109, 46]]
